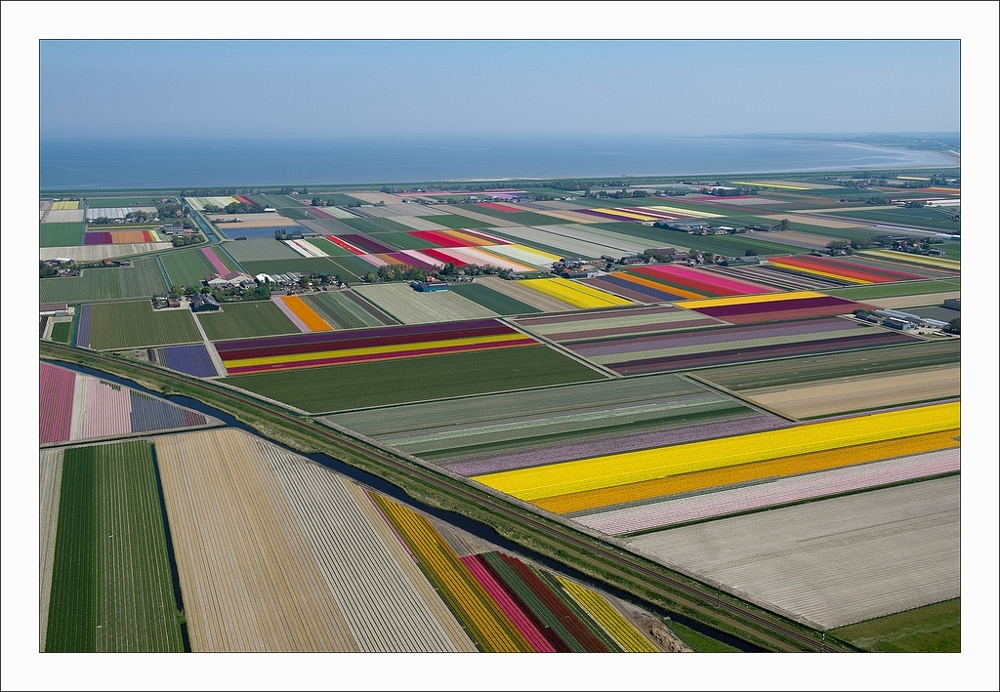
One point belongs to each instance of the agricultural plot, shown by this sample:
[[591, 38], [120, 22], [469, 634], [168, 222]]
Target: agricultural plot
[[348, 386], [631, 476], [323, 265], [74, 407], [415, 307], [736, 344], [128, 237], [49, 488], [463, 219], [933, 628], [345, 310], [141, 280], [568, 241], [64, 216], [186, 267], [489, 433], [419, 222], [386, 608], [260, 250], [60, 234], [770, 493], [771, 307], [358, 346], [111, 582], [833, 562], [784, 279], [692, 282], [65, 204], [245, 320], [522, 294], [491, 300], [269, 594], [526, 255], [575, 294], [133, 324], [856, 393], [191, 360], [634, 287], [613, 323], [301, 314], [848, 272], [919, 260], [375, 225], [92, 253], [933, 218], [326, 247]]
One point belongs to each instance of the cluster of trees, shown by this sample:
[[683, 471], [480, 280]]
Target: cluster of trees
[[733, 192], [171, 209], [182, 240], [400, 272], [282, 234], [219, 192], [617, 194], [131, 217]]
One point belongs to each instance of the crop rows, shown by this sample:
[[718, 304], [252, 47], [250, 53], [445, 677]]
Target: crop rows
[[625, 634], [55, 402], [414, 307], [111, 586], [831, 562], [612, 323], [267, 593], [306, 315], [132, 324], [380, 604], [700, 281], [486, 623], [773, 307], [632, 467], [773, 492], [753, 472], [50, 468], [636, 288], [575, 294], [841, 271], [337, 348], [344, 310]]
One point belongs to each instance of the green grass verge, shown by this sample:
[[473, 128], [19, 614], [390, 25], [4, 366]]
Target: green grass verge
[[135, 323], [60, 234], [934, 628], [360, 385], [701, 643], [111, 588], [492, 300], [245, 320], [301, 264]]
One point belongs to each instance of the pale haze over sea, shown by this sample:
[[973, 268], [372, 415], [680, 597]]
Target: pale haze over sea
[[91, 163]]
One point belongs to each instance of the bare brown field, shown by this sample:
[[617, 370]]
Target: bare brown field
[[49, 485], [64, 216], [249, 580], [859, 393], [833, 562]]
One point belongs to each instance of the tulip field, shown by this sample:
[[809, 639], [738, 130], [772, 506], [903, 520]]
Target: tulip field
[[729, 417]]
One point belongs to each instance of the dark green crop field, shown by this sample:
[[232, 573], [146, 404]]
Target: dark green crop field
[[111, 584], [359, 385], [492, 300], [245, 320], [935, 628], [132, 324], [60, 234]]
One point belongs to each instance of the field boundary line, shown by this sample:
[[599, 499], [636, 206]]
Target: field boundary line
[[220, 368], [729, 392], [610, 374]]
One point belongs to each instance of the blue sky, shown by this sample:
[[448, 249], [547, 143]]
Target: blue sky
[[519, 88]]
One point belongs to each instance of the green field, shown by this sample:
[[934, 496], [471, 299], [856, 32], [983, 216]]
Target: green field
[[132, 324], [245, 320], [897, 289], [490, 299], [934, 218], [793, 371], [352, 386], [935, 628], [523, 218], [141, 280], [260, 250], [327, 247], [60, 234], [456, 222], [701, 643], [186, 267], [61, 331], [340, 199], [342, 311], [375, 224], [111, 584]]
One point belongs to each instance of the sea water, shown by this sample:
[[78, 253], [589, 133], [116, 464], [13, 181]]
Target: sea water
[[137, 163]]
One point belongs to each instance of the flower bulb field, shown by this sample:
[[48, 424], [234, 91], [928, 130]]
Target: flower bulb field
[[578, 413]]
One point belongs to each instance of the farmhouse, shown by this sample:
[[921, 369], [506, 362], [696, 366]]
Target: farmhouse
[[57, 309], [230, 279], [429, 286], [204, 303]]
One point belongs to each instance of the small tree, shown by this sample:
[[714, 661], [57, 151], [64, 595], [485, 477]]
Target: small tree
[[955, 326]]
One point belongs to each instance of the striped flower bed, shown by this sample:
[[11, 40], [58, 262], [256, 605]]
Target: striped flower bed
[[780, 491], [191, 360], [575, 294], [83, 327], [364, 345], [214, 260], [734, 344], [120, 237], [498, 207], [55, 403], [339, 242], [367, 244], [613, 323], [841, 271], [772, 307], [463, 238], [306, 315], [636, 288], [936, 262], [703, 282], [305, 249], [597, 473]]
